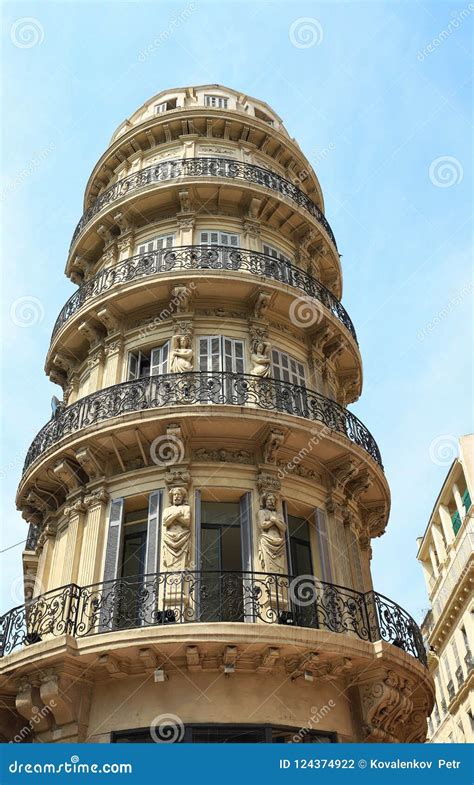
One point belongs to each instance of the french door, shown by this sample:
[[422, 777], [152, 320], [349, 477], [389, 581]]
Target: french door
[[291, 396], [278, 265], [218, 354], [223, 256]]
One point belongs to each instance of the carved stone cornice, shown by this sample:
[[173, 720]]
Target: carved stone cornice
[[96, 497], [223, 456], [267, 481]]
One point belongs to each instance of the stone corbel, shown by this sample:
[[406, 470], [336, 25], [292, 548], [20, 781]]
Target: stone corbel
[[181, 296], [267, 661], [83, 265], [38, 502], [321, 337], [66, 472], [229, 656], [64, 361], [254, 209], [91, 333], [88, 461], [30, 705], [261, 304], [342, 471], [193, 659], [57, 377], [116, 667], [109, 317], [307, 662], [308, 240], [56, 695], [333, 349], [185, 202], [251, 227], [374, 519], [272, 445], [386, 706], [359, 485]]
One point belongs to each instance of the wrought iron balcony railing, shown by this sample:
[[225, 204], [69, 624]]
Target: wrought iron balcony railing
[[203, 257], [187, 597], [194, 388], [179, 168]]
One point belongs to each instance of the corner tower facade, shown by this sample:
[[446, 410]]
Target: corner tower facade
[[202, 502]]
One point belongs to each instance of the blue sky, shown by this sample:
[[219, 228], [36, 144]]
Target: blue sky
[[377, 102]]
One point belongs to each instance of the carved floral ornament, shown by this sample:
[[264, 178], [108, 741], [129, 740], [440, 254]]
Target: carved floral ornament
[[391, 710]]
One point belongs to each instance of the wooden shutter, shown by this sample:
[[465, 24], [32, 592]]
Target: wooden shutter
[[133, 366], [152, 561], [114, 540]]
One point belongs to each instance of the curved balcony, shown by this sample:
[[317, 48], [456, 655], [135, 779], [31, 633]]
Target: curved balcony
[[208, 597], [202, 388], [177, 169], [202, 257]]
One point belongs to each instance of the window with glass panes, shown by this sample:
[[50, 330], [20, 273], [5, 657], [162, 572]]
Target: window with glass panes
[[287, 369], [218, 353], [217, 101], [280, 268], [212, 237], [157, 244], [153, 362]]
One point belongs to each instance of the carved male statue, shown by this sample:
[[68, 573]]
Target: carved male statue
[[176, 531], [261, 359], [272, 542], [181, 354]]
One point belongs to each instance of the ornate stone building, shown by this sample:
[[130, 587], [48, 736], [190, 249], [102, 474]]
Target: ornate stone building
[[202, 503], [446, 553]]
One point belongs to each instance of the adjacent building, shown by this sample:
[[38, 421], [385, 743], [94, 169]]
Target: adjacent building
[[446, 553], [202, 501]]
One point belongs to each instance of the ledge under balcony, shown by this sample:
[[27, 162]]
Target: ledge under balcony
[[205, 175], [216, 392], [172, 599]]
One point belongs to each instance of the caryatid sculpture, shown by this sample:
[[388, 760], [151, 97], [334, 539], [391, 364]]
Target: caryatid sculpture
[[181, 360], [261, 359], [272, 536], [176, 531]]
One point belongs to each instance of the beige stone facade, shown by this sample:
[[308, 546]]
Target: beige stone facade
[[202, 503], [446, 553]]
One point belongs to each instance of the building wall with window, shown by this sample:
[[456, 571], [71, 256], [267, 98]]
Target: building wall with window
[[446, 555], [202, 501]]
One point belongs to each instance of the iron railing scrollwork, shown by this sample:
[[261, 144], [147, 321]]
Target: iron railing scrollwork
[[176, 169], [203, 257], [194, 388], [207, 596]]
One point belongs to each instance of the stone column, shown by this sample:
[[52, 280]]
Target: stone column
[[439, 543], [113, 370], [93, 536], [75, 514], [458, 500], [446, 523]]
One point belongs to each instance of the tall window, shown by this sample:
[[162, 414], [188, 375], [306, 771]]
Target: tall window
[[216, 101], [280, 268], [287, 369], [153, 362], [218, 353], [221, 562], [132, 568]]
